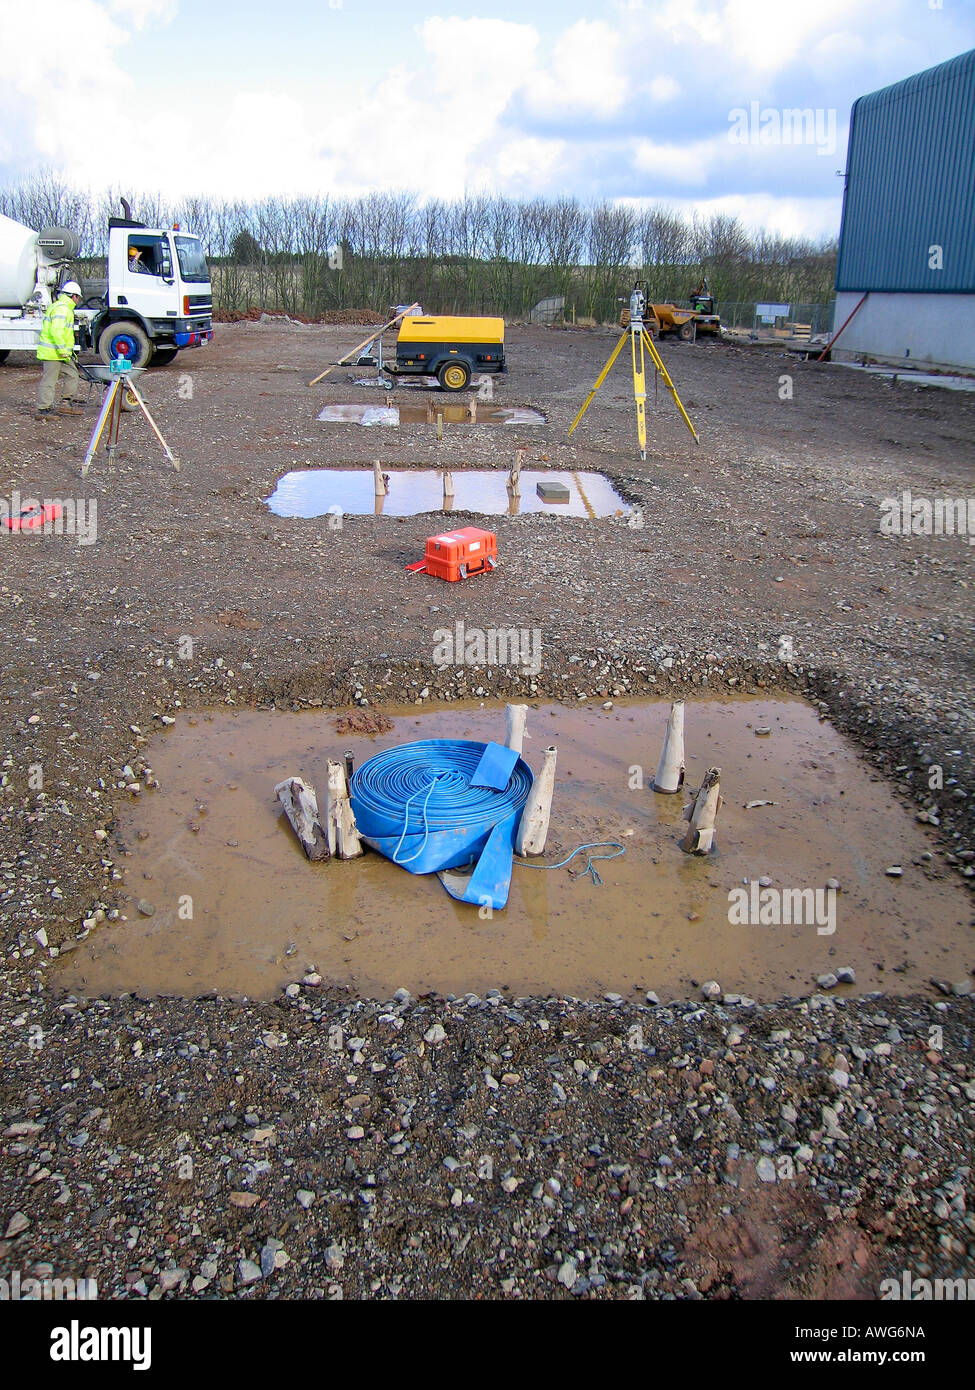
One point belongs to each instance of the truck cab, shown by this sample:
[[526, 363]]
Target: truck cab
[[158, 300]]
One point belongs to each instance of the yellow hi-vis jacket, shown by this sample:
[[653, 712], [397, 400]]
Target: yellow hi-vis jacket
[[57, 332]]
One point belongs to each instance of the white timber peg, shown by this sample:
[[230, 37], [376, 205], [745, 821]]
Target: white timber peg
[[514, 477], [380, 481], [300, 802], [343, 837], [516, 717], [533, 826], [702, 815], [670, 769]]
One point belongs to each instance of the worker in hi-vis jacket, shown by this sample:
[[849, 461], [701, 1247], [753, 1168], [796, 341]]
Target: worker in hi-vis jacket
[[56, 353]]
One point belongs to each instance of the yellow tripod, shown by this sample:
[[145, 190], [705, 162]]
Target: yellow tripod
[[640, 342]]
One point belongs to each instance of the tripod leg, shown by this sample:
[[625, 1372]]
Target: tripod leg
[[155, 428], [640, 391], [658, 363], [115, 422], [103, 415], [602, 377]]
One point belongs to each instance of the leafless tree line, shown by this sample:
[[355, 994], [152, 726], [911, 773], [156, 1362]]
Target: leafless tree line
[[478, 254]]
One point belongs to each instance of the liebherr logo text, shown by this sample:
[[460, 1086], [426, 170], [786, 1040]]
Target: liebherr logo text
[[77, 1343]]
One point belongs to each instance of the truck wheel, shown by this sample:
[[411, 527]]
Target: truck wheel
[[454, 376], [125, 340], [686, 333], [162, 356]]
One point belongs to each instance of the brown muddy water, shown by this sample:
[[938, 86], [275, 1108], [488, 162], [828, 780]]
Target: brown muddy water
[[212, 840], [309, 492]]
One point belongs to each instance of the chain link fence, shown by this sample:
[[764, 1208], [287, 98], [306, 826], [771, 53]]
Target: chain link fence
[[742, 314]]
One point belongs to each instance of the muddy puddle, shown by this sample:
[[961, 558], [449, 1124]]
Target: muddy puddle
[[213, 842], [392, 416], [316, 491]]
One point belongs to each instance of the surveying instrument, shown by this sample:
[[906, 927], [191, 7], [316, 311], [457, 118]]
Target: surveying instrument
[[640, 342], [119, 376]]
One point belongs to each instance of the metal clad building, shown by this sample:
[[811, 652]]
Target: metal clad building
[[907, 238]]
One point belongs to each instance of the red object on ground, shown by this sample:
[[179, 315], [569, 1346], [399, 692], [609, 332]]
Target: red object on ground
[[454, 555], [32, 518]]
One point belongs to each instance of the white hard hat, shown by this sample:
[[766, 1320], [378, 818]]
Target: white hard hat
[[71, 287]]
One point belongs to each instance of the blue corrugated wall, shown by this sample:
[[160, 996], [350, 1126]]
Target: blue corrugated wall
[[910, 185]]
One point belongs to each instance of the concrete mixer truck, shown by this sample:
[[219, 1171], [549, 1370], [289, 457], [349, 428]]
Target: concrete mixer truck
[[155, 302]]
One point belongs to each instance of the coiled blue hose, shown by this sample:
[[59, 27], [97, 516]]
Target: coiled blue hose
[[415, 804]]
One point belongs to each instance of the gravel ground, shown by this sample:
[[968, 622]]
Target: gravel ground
[[537, 1148]]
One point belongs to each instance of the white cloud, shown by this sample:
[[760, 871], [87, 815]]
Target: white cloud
[[525, 164], [63, 81], [138, 14], [687, 163], [436, 129], [664, 88], [584, 77], [799, 217], [635, 100], [767, 34], [481, 62], [53, 73], [688, 21]]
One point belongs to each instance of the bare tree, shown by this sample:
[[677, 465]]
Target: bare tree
[[478, 253]]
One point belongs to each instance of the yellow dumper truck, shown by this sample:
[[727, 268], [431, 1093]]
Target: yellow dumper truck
[[451, 349]]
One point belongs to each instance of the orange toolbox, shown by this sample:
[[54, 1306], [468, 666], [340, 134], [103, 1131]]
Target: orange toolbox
[[456, 555]]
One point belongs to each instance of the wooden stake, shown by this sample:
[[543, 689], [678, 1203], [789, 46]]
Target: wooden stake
[[343, 837], [702, 815], [300, 802], [533, 826], [514, 477], [516, 716], [670, 769]]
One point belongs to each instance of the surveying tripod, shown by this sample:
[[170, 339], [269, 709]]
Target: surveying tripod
[[120, 379], [640, 342]]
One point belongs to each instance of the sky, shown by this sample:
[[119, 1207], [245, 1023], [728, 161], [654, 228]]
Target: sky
[[678, 102]]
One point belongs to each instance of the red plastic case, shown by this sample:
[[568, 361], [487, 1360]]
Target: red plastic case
[[454, 555]]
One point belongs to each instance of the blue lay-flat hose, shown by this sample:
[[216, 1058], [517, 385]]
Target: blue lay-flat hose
[[415, 804]]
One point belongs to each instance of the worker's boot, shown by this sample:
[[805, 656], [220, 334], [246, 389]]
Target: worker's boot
[[72, 408], [42, 413]]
